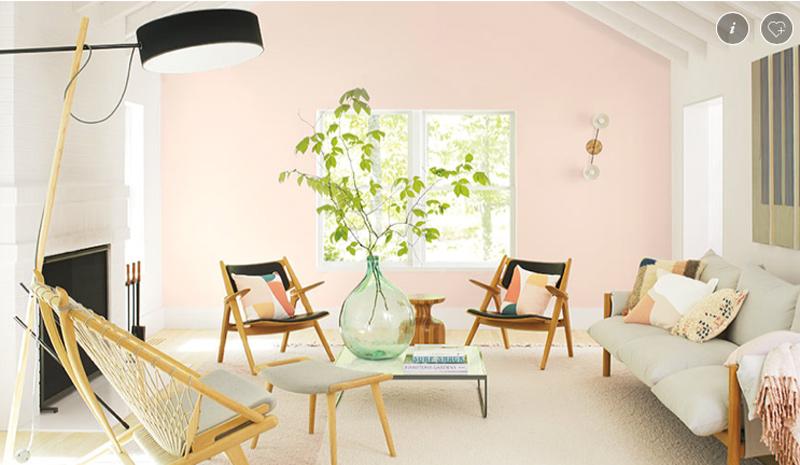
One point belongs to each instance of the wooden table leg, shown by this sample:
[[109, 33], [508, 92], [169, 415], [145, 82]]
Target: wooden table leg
[[427, 330]]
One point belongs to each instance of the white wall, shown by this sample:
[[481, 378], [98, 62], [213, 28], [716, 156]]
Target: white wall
[[91, 198], [726, 73]]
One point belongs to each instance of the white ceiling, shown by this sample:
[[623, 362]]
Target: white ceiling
[[680, 30], [137, 13], [676, 30]]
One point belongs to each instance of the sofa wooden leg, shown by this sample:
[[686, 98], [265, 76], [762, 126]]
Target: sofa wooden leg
[[606, 363], [734, 417]]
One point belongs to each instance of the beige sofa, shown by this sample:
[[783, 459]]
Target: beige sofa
[[689, 378]]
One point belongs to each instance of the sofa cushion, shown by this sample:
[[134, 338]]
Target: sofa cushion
[[718, 267], [653, 358], [612, 333], [770, 305], [698, 397], [796, 322]]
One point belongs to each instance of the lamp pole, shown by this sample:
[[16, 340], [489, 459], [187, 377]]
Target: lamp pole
[[55, 169]]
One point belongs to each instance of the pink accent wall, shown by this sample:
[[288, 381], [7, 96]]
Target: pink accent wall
[[227, 135]]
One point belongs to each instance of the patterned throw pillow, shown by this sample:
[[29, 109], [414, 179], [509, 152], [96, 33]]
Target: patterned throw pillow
[[689, 268], [527, 294], [670, 298], [708, 318], [267, 298]]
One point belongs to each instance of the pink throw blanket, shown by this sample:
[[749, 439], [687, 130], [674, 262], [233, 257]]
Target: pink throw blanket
[[778, 403]]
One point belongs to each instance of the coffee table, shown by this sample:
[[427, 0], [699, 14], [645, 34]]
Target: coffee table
[[476, 371]]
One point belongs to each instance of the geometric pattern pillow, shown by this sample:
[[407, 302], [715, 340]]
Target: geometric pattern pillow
[[527, 293], [689, 268], [708, 318], [267, 298], [670, 298]]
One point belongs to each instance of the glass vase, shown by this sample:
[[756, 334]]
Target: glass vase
[[377, 320]]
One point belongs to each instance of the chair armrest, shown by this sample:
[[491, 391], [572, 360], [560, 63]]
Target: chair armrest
[[487, 287], [296, 291], [232, 297], [558, 293], [614, 303]]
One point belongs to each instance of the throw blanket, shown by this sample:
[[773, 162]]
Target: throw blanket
[[778, 403]]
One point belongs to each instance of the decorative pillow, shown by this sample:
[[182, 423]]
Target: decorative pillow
[[762, 345], [527, 294], [709, 317], [670, 298], [689, 268], [769, 307], [267, 298], [718, 267]]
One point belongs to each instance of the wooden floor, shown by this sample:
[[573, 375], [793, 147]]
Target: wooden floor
[[72, 445]]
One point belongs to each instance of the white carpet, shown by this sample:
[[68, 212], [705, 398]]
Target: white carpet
[[567, 414]]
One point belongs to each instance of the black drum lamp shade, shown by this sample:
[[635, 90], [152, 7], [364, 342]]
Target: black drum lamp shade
[[199, 41]]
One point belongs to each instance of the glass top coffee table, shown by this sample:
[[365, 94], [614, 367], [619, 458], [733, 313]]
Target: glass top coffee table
[[476, 370]]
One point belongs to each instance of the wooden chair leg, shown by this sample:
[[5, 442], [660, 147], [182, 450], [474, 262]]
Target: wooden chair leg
[[332, 425], [254, 442], [223, 335], [236, 456], [247, 352], [606, 363], [550, 333], [324, 341], [312, 411], [734, 418], [504, 333], [285, 341], [568, 330], [387, 432], [472, 332]]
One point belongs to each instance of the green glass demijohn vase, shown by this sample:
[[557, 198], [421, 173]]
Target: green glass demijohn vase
[[377, 320]]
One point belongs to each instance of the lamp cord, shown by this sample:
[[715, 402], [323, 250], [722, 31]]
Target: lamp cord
[[121, 97]]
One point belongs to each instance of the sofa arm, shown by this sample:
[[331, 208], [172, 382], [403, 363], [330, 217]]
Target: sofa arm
[[614, 303]]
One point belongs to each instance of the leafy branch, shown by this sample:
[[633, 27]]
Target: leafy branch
[[354, 194]]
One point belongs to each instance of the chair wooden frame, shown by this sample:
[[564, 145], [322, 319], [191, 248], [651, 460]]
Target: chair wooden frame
[[732, 437], [336, 389], [223, 438], [560, 316], [297, 293]]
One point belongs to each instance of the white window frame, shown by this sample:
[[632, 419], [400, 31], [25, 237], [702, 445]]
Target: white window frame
[[417, 165]]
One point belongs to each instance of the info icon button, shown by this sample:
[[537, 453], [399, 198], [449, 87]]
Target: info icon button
[[777, 28], [732, 28]]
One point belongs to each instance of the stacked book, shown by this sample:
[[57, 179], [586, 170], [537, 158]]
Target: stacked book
[[436, 359]]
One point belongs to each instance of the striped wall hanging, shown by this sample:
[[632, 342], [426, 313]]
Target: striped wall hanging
[[776, 154]]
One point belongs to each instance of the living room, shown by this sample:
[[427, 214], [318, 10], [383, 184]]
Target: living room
[[589, 211]]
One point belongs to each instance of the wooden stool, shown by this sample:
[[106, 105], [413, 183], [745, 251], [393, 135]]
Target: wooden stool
[[427, 329], [304, 376]]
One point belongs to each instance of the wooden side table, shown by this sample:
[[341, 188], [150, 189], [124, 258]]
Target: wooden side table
[[428, 330]]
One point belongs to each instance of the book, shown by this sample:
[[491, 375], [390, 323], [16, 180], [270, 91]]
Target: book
[[439, 354], [414, 367]]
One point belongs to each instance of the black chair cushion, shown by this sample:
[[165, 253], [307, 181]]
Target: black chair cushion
[[258, 269], [500, 316], [536, 267], [298, 318]]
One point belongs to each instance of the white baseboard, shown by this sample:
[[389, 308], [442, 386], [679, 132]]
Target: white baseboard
[[453, 318]]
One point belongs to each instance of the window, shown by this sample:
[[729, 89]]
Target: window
[[475, 231]]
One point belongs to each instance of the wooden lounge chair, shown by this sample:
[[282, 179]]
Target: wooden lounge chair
[[245, 328], [501, 280]]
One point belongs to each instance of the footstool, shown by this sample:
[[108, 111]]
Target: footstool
[[304, 376]]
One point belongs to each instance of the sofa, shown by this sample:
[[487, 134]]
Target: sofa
[[690, 378]]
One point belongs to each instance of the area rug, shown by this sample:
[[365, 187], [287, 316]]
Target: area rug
[[568, 414]]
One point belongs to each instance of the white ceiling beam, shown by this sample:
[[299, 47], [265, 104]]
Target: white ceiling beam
[[81, 7], [633, 31], [658, 26], [685, 19], [757, 10], [151, 12], [712, 11], [112, 11]]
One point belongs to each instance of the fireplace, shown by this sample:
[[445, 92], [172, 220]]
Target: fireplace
[[84, 275]]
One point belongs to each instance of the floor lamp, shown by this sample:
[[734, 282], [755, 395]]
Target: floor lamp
[[181, 43]]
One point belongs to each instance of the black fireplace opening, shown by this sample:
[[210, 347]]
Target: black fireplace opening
[[84, 275]]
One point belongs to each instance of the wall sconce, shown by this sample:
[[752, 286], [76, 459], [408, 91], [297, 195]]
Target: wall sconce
[[594, 146]]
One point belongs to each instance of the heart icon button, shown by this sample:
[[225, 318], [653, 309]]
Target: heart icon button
[[776, 28]]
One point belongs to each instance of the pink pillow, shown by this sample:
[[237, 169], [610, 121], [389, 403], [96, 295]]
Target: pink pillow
[[761, 345], [267, 298]]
